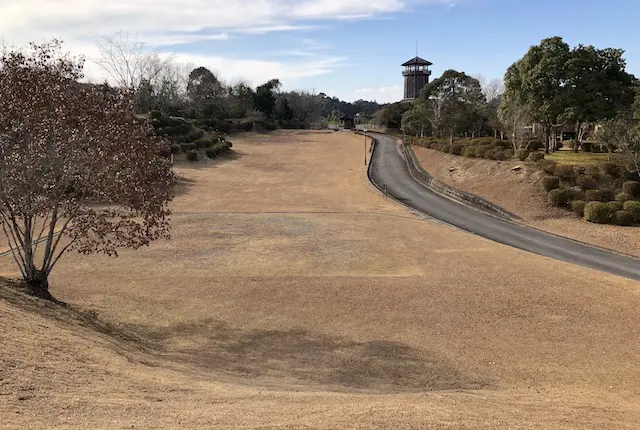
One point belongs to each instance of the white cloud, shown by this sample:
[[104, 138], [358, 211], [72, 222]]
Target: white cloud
[[177, 22], [385, 94]]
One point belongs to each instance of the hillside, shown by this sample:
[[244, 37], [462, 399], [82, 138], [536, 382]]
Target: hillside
[[520, 192], [293, 295]]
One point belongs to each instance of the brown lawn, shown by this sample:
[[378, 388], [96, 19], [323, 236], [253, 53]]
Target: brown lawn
[[293, 295]]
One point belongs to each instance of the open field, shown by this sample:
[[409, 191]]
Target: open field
[[293, 295], [520, 192]]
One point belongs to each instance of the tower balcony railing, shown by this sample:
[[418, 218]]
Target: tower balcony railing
[[416, 72]]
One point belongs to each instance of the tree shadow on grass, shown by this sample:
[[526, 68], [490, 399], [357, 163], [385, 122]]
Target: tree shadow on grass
[[312, 359]]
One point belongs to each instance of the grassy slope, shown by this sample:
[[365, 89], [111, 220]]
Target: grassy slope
[[520, 192], [284, 320]]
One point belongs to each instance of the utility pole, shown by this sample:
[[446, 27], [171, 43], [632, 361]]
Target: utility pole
[[365, 146]]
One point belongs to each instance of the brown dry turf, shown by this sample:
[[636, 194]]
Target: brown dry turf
[[293, 295]]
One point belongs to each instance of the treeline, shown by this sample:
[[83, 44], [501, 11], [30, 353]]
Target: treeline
[[188, 91], [584, 91]]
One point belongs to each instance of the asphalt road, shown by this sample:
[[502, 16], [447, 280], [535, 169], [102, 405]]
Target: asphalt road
[[388, 167]]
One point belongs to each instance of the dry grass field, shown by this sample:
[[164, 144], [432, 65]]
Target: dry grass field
[[293, 295], [521, 193]]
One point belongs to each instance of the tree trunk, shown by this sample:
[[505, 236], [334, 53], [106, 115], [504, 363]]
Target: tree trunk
[[546, 138], [38, 284]]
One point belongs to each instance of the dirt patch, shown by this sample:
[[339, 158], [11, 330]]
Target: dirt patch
[[519, 191]]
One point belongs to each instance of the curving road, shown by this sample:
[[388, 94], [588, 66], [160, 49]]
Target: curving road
[[388, 167]]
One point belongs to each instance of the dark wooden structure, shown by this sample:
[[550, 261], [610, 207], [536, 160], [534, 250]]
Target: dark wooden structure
[[416, 76], [347, 122]]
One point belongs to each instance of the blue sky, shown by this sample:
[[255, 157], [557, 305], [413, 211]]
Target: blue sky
[[348, 48]]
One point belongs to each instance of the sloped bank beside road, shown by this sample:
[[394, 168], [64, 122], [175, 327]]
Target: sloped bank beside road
[[520, 192]]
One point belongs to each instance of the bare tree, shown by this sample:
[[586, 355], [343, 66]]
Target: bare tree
[[127, 62], [78, 170], [493, 89], [515, 117]]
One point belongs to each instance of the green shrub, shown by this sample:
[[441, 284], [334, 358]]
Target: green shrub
[[155, 114], [498, 154], [470, 151], [490, 154], [631, 187], [456, 149], [593, 171], [597, 212], [534, 145], [522, 154], [566, 173], [548, 166], [631, 175], [192, 156], [586, 146], [576, 193], [587, 183], [212, 152], [507, 154], [622, 218], [615, 206], [577, 206], [186, 147], [559, 197], [633, 207], [599, 195], [550, 183], [611, 169], [175, 148], [623, 197], [203, 143], [481, 150], [536, 156]]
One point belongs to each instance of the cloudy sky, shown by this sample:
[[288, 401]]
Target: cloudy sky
[[348, 48]]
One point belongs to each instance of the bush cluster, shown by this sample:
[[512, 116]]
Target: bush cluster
[[550, 183]]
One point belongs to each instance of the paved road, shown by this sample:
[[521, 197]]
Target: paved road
[[388, 167]]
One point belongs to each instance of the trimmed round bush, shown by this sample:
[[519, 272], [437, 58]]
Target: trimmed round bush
[[559, 197], [587, 182], [598, 195], [522, 154], [470, 151], [548, 166], [490, 154], [615, 206], [597, 212], [203, 143], [481, 150], [622, 218], [623, 197], [536, 156], [577, 207], [550, 183], [507, 154], [534, 145], [456, 149], [192, 155], [631, 187], [611, 169], [212, 152], [566, 173], [633, 207]]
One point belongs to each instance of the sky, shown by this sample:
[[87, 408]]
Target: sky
[[351, 49]]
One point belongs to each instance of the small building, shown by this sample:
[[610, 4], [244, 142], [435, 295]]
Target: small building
[[416, 76], [347, 122]]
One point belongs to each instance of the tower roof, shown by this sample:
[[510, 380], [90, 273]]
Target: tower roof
[[417, 61]]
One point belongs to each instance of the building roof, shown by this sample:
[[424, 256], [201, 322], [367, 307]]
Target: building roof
[[417, 61]]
